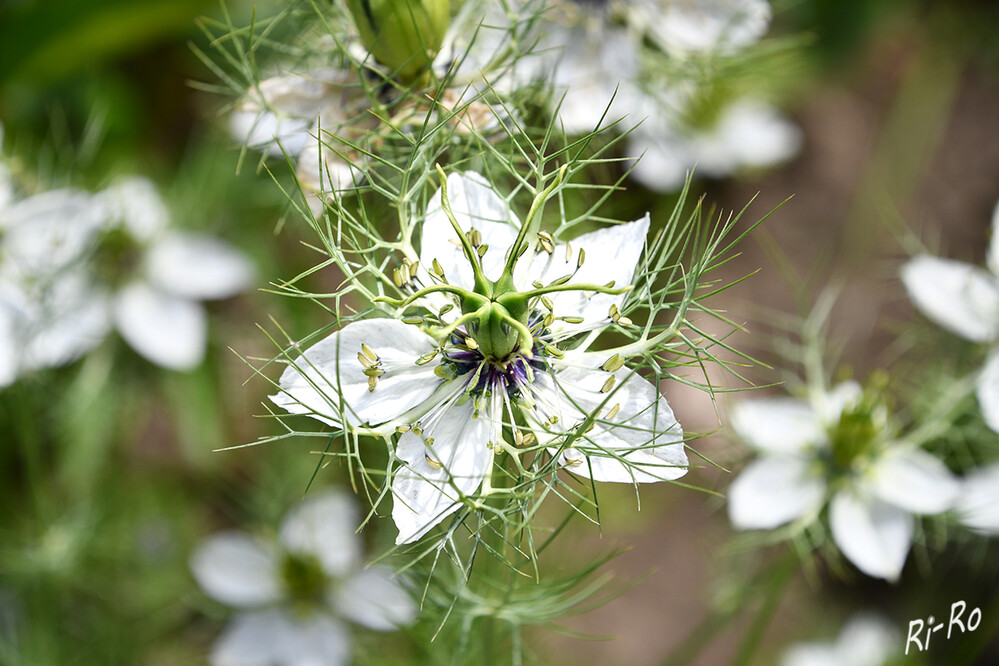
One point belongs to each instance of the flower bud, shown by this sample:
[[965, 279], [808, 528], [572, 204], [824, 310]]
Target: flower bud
[[403, 35]]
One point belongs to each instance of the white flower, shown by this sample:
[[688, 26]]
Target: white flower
[[747, 135], [592, 52], [836, 449], [683, 27], [977, 505], [457, 400], [314, 116], [297, 114], [293, 593], [964, 299], [13, 333], [89, 262], [866, 640]]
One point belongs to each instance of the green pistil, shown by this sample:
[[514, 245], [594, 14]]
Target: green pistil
[[494, 313], [854, 437], [304, 578], [116, 256]]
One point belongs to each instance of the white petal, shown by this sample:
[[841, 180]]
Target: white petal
[[6, 184], [426, 493], [778, 425], [830, 405], [323, 525], [592, 79], [868, 640], [264, 130], [66, 322], [611, 254], [14, 319], [811, 654], [135, 204], [914, 480], [169, 331], [757, 135], [375, 599], [315, 382], [988, 390], [772, 491], [992, 256], [872, 534], [333, 174], [978, 505], [281, 112], [236, 569], [641, 443], [722, 26], [665, 159], [276, 638], [962, 298], [475, 205], [46, 233], [197, 267]]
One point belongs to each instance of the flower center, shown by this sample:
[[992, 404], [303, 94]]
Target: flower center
[[861, 429], [116, 256], [853, 438], [304, 579], [487, 373]]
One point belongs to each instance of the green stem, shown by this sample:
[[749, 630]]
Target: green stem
[[776, 587], [526, 228], [409, 300], [716, 621], [534, 293], [482, 284]]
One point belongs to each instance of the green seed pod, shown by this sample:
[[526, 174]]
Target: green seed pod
[[403, 35]]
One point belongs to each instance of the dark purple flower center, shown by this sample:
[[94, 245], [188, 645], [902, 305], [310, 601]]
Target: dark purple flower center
[[489, 374]]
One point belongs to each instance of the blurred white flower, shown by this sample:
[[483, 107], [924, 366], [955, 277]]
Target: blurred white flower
[[838, 449], [86, 263], [453, 398], [299, 114], [684, 27], [977, 505], [591, 52], [866, 640], [6, 181], [13, 325], [748, 134], [293, 593], [964, 299], [319, 115]]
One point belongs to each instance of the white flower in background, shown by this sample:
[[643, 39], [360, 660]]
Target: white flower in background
[[293, 594], [299, 114], [45, 242], [977, 505], [303, 114], [748, 134], [155, 276], [87, 263], [591, 52], [964, 299], [685, 27], [490, 379], [13, 322], [866, 640], [838, 449]]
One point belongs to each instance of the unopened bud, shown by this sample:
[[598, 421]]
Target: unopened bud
[[403, 35]]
